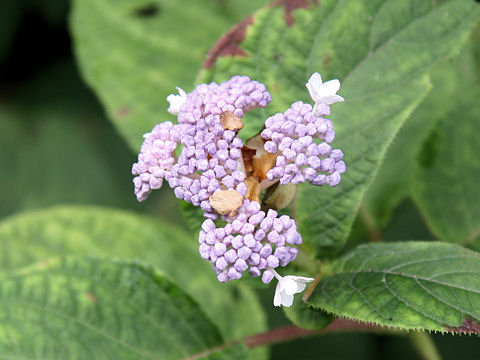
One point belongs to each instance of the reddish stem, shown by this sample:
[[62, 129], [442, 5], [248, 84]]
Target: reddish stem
[[290, 332]]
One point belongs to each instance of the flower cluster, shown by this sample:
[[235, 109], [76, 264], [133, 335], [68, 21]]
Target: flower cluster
[[293, 135], [253, 240], [206, 163]]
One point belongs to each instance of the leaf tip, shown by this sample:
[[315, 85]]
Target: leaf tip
[[229, 43], [291, 5]]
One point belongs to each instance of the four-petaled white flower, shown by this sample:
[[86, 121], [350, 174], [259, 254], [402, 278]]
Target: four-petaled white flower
[[176, 101], [323, 92], [287, 287]]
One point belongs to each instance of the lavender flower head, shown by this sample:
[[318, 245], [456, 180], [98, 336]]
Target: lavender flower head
[[254, 240], [217, 172], [300, 158], [155, 159]]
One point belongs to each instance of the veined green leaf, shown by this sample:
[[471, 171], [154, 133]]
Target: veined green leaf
[[381, 50], [451, 80], [135, 52], [446, 183], [39, 235], [83, 308], [307, 317], [409, 285]]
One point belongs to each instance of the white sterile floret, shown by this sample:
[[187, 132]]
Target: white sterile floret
[[176, 101], [323, 92], [287, 287]]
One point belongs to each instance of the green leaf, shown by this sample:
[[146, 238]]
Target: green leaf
[[82, 308], [66, 152], [449, 78], [193, 216], [381, 50], [40, 235], [307, 317], [134, 52], [446, 183], [409, 285]]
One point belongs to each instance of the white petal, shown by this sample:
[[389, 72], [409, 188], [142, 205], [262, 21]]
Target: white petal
[[301, 282], [277, 299], [315, 80], [301, 286], [176, 101], [301, 278], [330, 99], [331, 87], [183, 94], [313, 84], [290, 285], [287, 300]]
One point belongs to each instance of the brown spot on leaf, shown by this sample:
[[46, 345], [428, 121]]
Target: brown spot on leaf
[[469, 326], [229, 43], [91, 297], [326, 59], [291, 5], [123, 112]]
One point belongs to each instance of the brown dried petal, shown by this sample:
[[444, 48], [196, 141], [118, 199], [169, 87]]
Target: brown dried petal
[[226, 201], [253, 189], [262, 161], [230, 121], [248, 153]]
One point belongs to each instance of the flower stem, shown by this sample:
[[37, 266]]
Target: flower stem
[[292, 332], [373, 230], [424, 345]]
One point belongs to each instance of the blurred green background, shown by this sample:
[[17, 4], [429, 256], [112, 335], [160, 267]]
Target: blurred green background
[[58, 147]]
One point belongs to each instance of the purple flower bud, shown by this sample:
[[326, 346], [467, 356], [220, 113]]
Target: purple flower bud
[[242, 244], [292, 133], [267, 276]]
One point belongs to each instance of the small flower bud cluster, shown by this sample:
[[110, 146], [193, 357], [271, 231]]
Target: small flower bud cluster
[[253, 240], [237, 95], [211, 155], [300, 158], [155, 159]]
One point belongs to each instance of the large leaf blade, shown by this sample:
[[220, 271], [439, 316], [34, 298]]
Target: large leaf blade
[[410, 285], [445, 180], [382, 58], [133, 53], [449, 79], [89, 308], [39, 235]]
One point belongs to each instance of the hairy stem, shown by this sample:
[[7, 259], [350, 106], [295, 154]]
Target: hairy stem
[[424, 345], [292, 332], [373, 231], [307, 262]]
